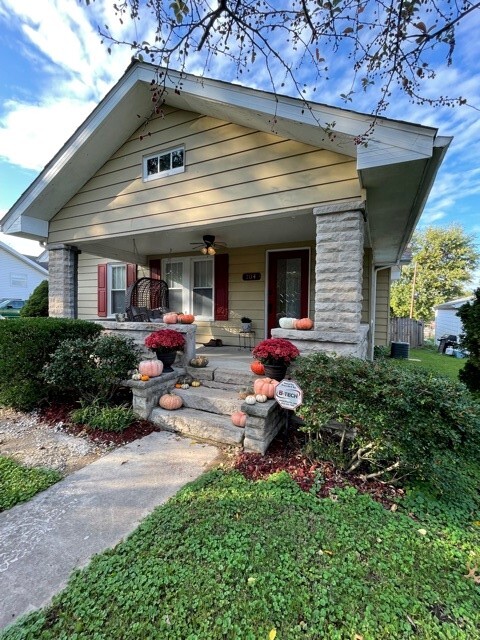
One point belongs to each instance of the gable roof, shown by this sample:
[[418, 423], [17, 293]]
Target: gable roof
[[30, 262], [397, 167], [454, 305]]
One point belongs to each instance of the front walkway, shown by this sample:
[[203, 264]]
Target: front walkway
[[60, 529]]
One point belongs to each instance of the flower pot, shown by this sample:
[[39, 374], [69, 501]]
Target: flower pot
[[275, 371], [168, 358], [246, 326]]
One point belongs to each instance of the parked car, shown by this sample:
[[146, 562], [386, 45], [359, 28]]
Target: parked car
[[10, 308]]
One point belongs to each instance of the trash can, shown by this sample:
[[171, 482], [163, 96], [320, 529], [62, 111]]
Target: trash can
[[400, 350]]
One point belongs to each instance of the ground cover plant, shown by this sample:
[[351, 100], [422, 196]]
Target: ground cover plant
[[19, 483], [231, 558]]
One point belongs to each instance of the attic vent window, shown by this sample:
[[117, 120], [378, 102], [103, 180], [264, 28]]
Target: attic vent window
[[164, 163]]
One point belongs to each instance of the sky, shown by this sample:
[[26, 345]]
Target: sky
[[54, 70]]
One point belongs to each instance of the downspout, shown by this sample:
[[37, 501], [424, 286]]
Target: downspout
[[373, 302]]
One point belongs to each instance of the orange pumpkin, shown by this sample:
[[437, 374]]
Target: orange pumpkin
[[170, 401], [151, 368], [257, 368], [170, 318], [239, 418], [186, 318], [144, 377], [265, 386], [304, 324]]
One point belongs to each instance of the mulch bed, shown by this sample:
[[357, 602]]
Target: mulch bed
[[285, 454], [53, 415]]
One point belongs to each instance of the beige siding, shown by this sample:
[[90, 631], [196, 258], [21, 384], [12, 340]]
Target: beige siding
[[257, 173], [382, 310]]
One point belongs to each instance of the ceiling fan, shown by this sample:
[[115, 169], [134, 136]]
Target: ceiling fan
[[209, 246]]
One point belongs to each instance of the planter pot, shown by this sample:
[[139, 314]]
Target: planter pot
[[275, 371], [246, 326], [168, 359]]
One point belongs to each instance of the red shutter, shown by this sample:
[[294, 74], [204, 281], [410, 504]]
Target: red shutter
[[156, 269], [131, 273], [221, 286], [102, 290]]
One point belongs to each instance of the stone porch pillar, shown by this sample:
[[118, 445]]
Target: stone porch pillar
[[62, 280], [339, 269]]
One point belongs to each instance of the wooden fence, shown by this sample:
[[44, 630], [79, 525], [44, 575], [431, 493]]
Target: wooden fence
[[407, 330]]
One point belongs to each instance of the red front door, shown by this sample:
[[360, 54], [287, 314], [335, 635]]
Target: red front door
[[288, 284]]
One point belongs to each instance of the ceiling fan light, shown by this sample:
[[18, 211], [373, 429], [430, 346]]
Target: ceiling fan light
[[204, 250], [211, 251]]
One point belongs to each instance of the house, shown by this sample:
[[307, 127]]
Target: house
[[246, 203], [19, 274], [447, 323]]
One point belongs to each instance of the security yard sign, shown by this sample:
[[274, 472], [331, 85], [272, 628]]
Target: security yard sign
[[288, 394]]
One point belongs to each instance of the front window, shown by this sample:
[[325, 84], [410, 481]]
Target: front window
[[117, 287], [190, 285], [164, 163]]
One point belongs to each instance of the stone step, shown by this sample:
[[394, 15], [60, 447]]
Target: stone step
[[210, 400], [222, 378], [198, 424]]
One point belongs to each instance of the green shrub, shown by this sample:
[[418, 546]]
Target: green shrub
[[470, 341], [18, 483], [104, 417], [37, 304], [91, 368], [406, 422], [26, 345]]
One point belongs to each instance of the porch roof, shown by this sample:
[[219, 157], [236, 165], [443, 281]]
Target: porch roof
[[397, 168]]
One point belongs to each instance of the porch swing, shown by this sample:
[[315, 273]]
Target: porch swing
[[146, 300]]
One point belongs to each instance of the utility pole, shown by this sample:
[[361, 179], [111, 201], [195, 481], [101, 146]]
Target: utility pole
[[413, 290]]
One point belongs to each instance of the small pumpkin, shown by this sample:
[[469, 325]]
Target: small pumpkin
[[261, 397], [239, 418], [257, 368], [250, 399], [196, 383], [144, 377], [199, 361], [265, 386], [178, 385], [184, 386], [136, 376], [186, 318], [170, 401], [287, 323], [151, 368], [244, 392], [304, 324], [170, 317], [185, 379]]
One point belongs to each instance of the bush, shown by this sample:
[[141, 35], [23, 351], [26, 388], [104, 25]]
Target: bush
[[37, 304], [469, 314], [403, 421], [91, 368], [26, 346], [104, 417]]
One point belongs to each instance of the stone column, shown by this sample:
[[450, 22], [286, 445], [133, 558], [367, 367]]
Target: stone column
[[339, 269], [62, 281]]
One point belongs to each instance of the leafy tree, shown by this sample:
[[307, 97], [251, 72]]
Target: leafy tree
[[387, 44], [469, 314], [37, 304], [443, 261]]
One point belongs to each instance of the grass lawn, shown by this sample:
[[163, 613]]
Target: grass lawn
[[19, 484], [434, 361], [230, 558]]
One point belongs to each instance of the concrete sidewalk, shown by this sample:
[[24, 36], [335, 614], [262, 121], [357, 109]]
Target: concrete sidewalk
[[60, 529]]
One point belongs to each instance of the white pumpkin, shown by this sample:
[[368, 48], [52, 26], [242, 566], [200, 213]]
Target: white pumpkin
[[250, 399], [287, 323], [261, 397]]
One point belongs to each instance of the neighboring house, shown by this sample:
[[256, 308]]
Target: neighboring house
[[19, 275], [447, 323], [305, 221]]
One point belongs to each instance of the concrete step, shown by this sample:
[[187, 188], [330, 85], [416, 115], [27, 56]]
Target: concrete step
[[199, 424], [210, 399], [223, 378]]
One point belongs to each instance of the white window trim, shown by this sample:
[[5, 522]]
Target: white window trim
[[187, 293], [110, 266], [168, 172]]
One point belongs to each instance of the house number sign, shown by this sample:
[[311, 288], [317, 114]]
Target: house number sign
[[251, 276]]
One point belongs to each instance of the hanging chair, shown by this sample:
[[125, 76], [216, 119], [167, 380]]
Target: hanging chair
[[146, 300]]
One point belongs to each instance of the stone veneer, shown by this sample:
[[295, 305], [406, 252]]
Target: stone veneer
[[62, 281], [341, 344]]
